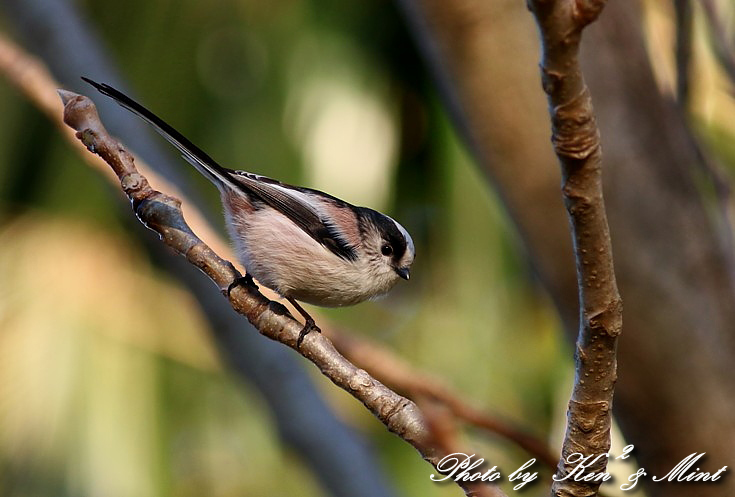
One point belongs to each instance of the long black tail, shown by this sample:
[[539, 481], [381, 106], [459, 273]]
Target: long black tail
[[193, 154]]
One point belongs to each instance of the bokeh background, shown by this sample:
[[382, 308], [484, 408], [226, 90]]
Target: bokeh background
[[111, 379]]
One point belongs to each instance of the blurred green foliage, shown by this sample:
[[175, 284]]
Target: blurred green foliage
[[97, 402]]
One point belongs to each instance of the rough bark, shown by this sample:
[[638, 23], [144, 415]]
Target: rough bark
[[576, 141], [672, 249]]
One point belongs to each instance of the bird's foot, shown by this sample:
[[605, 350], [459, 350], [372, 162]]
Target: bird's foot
[[246, 280], [309, 326]]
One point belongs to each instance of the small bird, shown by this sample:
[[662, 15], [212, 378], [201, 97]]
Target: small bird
[[304, 244]]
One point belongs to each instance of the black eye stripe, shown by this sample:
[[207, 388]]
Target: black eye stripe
[[385, 227]]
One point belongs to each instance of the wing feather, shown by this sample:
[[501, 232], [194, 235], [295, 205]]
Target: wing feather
[[301, 209]]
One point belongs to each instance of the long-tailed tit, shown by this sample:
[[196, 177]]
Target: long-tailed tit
[[304, 244]]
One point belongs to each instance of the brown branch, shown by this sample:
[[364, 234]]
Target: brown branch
[[399, 375], [576, 141], [162, 214], [30, 76], [444, 433], [337, 458], [672, 249]]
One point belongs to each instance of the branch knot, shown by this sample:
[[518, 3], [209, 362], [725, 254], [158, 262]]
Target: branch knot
[[132, 182], [587, 11], [574, 130]]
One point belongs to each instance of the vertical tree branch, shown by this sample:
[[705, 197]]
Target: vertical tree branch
[[672, 244], [576, 141]]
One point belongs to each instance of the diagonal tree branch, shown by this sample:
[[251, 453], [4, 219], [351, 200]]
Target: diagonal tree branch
[[337, 456], [162, 214], [30, 76], [399, 375], [576, 141]]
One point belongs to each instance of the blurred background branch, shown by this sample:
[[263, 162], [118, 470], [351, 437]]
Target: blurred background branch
[[722, 39], [684, 26], [395, 372]]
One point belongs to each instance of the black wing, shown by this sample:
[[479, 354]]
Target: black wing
[[268, 191], [305, 216]]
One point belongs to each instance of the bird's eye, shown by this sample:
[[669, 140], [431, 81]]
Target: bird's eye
[[386, 250]]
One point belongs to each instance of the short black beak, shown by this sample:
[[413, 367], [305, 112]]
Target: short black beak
[[403, 272]]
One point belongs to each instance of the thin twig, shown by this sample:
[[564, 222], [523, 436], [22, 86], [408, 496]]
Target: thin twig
[[576, 141], [162, 214], [394, 371]]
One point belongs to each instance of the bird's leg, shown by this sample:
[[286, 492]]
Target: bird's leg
[[309, 325], [246, 280]]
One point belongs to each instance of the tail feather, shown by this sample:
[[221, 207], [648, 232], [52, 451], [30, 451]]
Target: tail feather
[[193, 154]]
